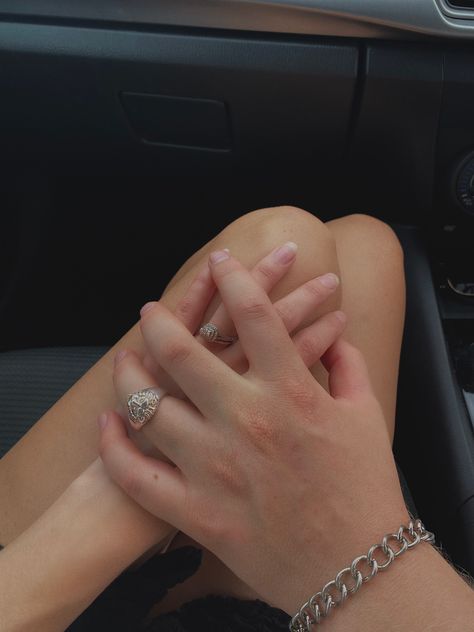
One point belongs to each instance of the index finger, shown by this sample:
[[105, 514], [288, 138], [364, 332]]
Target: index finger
[[267, 273], [200, 374], [262, 333]]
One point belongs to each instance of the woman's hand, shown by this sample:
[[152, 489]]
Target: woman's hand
[[294, 309], [283, 481]]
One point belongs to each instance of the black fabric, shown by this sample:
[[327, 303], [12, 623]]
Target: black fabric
[[125, 604], [39, 378], [127, 601], [225, 614], [409, 501], [32, 380]]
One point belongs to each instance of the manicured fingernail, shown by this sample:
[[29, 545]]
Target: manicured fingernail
[[218, 256], [330, 280], [102, 421], [147, 307], [286, 253], [341, 316], [120, 355]]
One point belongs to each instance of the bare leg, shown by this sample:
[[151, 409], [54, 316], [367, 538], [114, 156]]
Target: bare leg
[[373, 297], [64, 441], [35, 472], [371, 263]]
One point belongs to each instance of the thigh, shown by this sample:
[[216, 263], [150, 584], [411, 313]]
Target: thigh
[[370, 262], [64, 441]]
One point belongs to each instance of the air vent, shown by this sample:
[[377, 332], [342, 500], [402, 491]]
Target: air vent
[[461, 4]]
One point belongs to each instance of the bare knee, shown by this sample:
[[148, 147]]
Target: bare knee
[[371, 260], [284, 217], [286, 214], [376, 232], [255, 234], [269, 227], [376, 238]]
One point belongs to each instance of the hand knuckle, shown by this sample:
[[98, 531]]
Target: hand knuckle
[[314, 290], [131, 483], [218, 527], [309, 347], [121, 370], [209, 528], [151, 314], [253, 309], [229, 269], [175, 352], [217, 531], [287, 314], [259, 430], [225, 472], [332, 330], [265, 271], [185, 307], [300, 396]]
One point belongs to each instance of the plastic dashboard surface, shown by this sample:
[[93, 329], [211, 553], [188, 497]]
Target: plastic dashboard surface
[[354, 18]]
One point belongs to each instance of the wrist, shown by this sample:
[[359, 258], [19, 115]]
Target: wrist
[[337, 546], [407, 594], [119, 521], [65, 559]]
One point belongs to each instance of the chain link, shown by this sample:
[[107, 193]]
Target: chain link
[[335, 592]]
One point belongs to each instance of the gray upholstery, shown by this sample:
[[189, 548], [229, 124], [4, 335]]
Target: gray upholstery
[[31, 380]]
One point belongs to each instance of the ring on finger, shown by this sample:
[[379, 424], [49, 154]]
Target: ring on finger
[[210, 332], [142, 406]]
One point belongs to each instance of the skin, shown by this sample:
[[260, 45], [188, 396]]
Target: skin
[[48, 591], [254, 472], [58, 566], [276, 387], [64, 442]]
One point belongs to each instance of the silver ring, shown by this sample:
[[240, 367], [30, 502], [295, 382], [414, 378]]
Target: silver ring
[[142, 405], [210, 332]]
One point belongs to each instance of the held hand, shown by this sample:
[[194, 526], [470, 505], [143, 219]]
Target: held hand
[[283, 481], [294, 309]]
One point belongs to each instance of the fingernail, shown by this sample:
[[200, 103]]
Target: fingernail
[[218, 256], [102, 421], [341, 316], [286, 253], [330, 280], [120, 355], [147, 307]]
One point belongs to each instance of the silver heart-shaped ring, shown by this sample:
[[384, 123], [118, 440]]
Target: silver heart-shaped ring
[[142, 405]]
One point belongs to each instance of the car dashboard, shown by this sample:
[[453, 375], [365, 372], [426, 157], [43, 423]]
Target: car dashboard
[[347, 18]]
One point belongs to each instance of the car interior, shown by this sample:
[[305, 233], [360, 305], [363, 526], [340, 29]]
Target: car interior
[[126, 122]]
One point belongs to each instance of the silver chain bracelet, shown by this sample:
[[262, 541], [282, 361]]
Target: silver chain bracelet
[[335, 592]]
